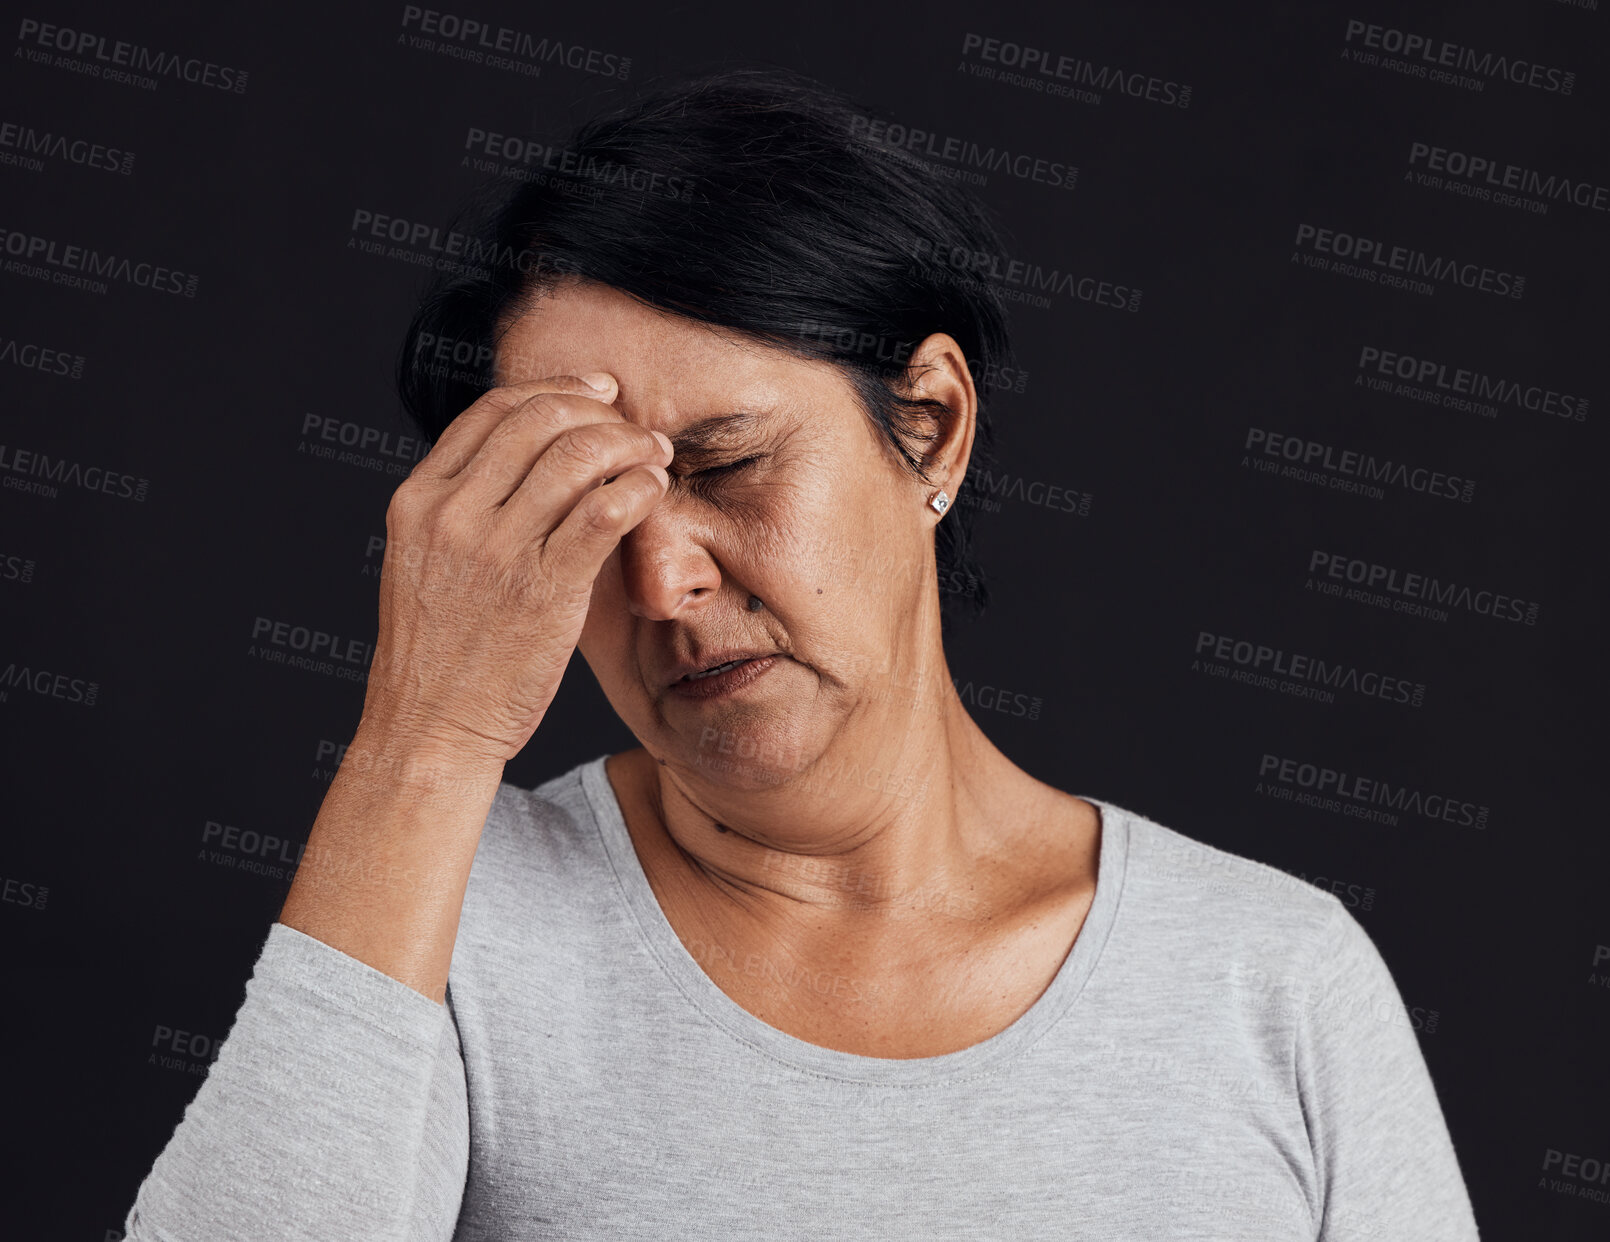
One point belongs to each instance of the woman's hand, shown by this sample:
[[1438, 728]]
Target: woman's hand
[[492, 545]]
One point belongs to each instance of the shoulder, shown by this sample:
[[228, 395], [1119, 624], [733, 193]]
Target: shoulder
[[1199, 911], [540, 856], [542, 909], [1214, 883]]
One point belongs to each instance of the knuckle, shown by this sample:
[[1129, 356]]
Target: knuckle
[[500, 402], [493, 399], [562, 383], [489, 466], [452, 514], [520, 419], [605, 514], [539, 405], [405, 502], [582, 448], [502, 396]]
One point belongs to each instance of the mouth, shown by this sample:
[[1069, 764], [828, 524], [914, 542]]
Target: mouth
[[712, 664], [731, 674], [711, 672]]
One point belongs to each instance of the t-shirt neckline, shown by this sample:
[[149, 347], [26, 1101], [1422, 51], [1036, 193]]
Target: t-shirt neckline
[[706, 996]]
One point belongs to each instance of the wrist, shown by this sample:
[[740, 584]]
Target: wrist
[[397, 756]]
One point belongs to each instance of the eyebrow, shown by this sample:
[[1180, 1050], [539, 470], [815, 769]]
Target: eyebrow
[[709, 435]]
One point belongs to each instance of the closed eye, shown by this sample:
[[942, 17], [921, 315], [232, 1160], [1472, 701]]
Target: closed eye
[[729, 467], [701, 478], [695, 479]]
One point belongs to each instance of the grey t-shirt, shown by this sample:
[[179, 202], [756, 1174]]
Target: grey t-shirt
[[1223, 1055]]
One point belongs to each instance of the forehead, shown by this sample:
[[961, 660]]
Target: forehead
[[670, 369]]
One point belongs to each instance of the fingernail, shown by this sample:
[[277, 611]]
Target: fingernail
[[665, 440], [598, 381]]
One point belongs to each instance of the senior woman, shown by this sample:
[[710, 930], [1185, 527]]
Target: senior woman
[[815, 959]]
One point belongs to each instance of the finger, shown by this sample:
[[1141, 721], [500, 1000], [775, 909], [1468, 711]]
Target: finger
[[465, 435], [585, 437], [579, 546], [574, 463]]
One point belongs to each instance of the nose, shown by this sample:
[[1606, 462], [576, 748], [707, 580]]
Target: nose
[[665, 564]]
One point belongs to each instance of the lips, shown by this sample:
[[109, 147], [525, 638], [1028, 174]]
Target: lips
[[729, 677], [711, 664], [711, 672]]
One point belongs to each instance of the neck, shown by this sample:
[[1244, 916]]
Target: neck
[[890, 820]]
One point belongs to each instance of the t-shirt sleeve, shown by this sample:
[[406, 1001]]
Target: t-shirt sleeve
[[336, 1110], [1383, 1157]]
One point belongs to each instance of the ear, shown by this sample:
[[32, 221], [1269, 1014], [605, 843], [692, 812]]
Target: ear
[[938, 372]]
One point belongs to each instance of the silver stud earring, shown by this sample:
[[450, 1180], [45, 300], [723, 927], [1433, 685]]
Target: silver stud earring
[[939, 502]]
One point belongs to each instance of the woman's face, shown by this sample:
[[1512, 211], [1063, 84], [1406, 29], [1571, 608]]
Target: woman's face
[[798, 500]]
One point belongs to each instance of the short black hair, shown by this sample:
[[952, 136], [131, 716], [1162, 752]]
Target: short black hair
[[749, 199]]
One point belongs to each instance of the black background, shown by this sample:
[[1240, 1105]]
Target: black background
[[115, 928]]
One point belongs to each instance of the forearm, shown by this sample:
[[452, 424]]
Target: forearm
[[335, 1110], [388, 858]]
